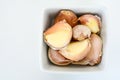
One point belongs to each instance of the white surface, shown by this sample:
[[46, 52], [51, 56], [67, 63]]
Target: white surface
[[20, 40]]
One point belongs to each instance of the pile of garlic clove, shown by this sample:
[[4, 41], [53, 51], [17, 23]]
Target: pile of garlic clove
[[74, 40]]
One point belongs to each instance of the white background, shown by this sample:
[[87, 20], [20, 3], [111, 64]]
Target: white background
[[20, 40]]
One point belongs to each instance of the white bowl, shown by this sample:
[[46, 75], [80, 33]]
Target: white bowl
[[48, 16]]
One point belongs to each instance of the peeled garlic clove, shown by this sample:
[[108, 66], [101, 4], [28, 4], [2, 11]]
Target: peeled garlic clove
[[93, 22], [81, 32], [76, 51], [56, 58], [68, 15], [96, 51], [59, 35]]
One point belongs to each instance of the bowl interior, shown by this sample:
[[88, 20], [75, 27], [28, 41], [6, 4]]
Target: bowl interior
[[48, 17]]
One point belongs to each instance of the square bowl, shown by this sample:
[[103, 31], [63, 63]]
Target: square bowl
[[47, 19]]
